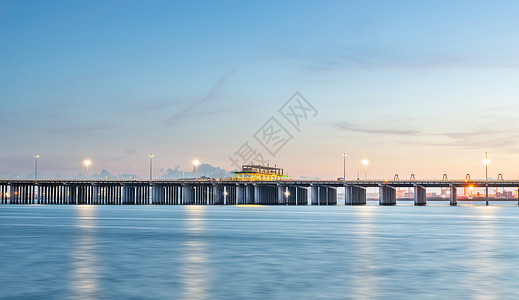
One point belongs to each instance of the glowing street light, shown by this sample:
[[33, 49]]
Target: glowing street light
[[365, 163], [36, 167], [486, 162], [87, 164], [151, 166], [344, 170], [287, 194], [196, 163]]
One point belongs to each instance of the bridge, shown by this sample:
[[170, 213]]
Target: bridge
[[226, 192]]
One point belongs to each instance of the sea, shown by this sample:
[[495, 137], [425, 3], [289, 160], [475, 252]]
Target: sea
[[259, 252]]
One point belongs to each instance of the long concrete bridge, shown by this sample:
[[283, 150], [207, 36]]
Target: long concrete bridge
[[224, 192]]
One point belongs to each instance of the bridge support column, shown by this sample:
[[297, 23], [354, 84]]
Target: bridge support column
[[282, 199], [230, 197], [249, 194], [453, 195], [175, 194], [354, 195], [331, 197], [420, 195], [323, 195], [189, 194], [302, 196], [257, 194], [218, 192], [287, 195], [314, 195], [2, 196], [387, 195], [240, 194], [292, 195]]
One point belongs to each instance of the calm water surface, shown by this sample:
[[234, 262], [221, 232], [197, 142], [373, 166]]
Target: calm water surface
[[259, 252]]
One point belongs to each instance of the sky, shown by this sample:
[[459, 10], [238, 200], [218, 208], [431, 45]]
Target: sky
[[415, 87]]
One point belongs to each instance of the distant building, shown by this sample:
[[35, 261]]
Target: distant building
[[258, 172]]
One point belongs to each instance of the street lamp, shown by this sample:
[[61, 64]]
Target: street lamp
[[365, 163], [344, 170], [486, 162], [151, 166], [87, 163], [196, 163], [36, 167]]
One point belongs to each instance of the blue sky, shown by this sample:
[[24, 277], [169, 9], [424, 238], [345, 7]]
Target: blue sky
[[420, 88]]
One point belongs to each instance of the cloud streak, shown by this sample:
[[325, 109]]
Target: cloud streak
[[353, 128], [176, 117]]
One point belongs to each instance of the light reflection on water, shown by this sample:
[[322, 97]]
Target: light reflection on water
[[258, 252], [85, 271], [195, 273], [363, 264]]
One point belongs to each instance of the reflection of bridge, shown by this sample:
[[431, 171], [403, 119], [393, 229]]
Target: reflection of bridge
[[291, 192]]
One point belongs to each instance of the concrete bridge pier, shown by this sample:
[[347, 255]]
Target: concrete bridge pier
[[266, 194], [287, 195], [230, 198], [314, 195], [282, 199], [13, 195], [177, 194], [302, 196], [327, 195], [198, 194], [171, 195], [157, 195], [291, 199], [453, 195], [257, 194], [142, 195], [125, 195], [249, 194], [323, 195], [189, 194], [420, 195], [387, 195], [332, 196], [81, 190], [210, 194], [354, 195], [3, 191], [240, 194], [218, 192], [119, 191], [138, 195], [181, 194]]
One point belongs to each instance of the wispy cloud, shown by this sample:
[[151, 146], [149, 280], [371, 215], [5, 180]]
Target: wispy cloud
[[507, 140], [221, 81], [353, 128]]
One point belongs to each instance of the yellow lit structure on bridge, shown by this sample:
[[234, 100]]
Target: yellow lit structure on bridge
[[258, 172]]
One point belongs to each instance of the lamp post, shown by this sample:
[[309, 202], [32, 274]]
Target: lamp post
[[344, 169], [365, 163], [151, 166], [36, 167], [486, 161], [196, 163], [87, 164]]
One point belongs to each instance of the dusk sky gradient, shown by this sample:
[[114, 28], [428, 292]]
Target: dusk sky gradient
[[423, 87]]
